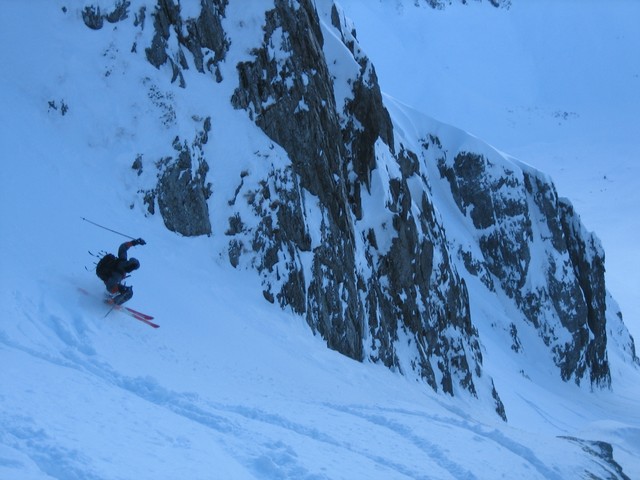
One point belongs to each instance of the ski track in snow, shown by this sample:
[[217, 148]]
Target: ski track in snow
[[239, 421], [265, 440], [379, 417]]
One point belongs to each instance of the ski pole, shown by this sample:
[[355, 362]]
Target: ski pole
[[101, 226]]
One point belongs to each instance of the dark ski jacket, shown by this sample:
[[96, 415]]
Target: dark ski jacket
[[122, 267]]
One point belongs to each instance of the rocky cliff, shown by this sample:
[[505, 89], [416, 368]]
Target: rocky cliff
[[379, 226]]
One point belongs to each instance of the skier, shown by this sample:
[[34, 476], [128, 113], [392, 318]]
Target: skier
[[113, 270]]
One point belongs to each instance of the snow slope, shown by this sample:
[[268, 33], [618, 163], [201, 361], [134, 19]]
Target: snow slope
[[229, 386]]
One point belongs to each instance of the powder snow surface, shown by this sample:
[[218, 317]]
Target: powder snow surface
[[231, 387]]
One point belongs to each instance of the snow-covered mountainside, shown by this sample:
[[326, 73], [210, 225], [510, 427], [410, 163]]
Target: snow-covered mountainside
[[552, 83], [288, 205], [371, 283]]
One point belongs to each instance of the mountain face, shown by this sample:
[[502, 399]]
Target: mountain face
[[439, 4], [386, 230]]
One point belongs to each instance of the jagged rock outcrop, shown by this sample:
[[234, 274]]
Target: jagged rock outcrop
[[368, 289], [290, 97], [94, 17], [486, 197], [525, 231], [204, 39], [294, 89], [365, 118], [439, 4], [587, 258], [343, 222], [182, 190]]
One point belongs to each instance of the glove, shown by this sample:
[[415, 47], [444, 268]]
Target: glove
[[138, 241]]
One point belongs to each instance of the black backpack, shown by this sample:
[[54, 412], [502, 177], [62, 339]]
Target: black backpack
[[106, 266]]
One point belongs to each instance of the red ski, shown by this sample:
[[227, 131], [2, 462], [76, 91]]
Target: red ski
[[143, 317], [140, 314]]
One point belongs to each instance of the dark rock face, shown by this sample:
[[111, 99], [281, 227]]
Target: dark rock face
[[297, 92], [182, 196], [513, 210], [345, 230], [587, 258], [205, 38], [416, 283], [441, 4], [94, 18], [486, 197], [292, 100], [364, 119], [182, 191], [363, 299]]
